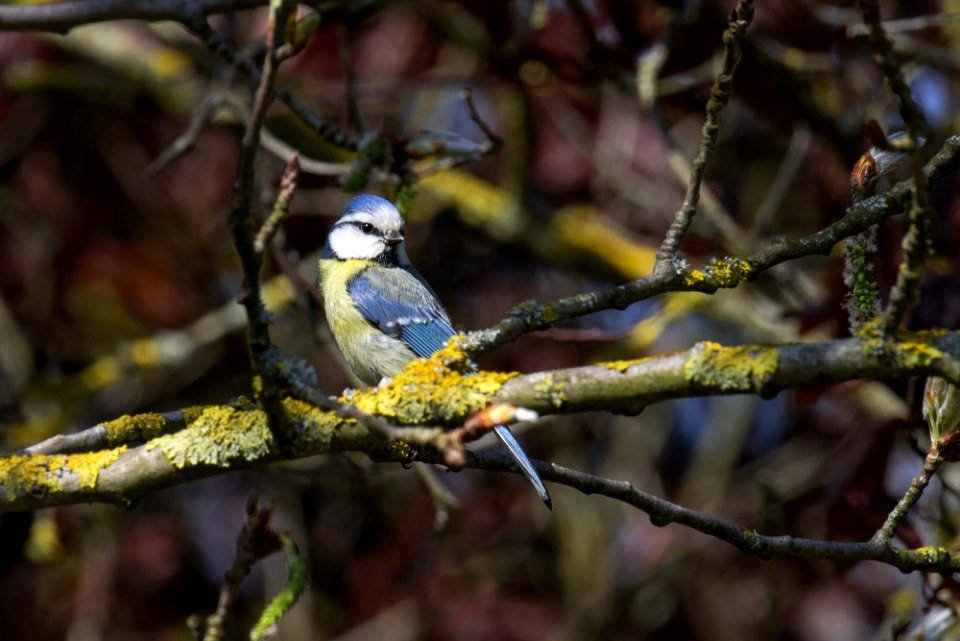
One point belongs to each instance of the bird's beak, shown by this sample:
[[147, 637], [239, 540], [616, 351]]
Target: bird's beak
[[393, 239]]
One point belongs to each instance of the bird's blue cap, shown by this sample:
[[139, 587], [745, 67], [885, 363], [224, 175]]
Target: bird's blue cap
[[368, 203]]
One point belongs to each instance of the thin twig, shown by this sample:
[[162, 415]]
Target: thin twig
[[663, 512], [255, 541], [241, 225], [220, 46], [186, 141], [931, 464], [533, 316], [281, 206], [905, 293], [719, 94], [496, 142]]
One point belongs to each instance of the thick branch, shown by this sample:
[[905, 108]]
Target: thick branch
[[218, 439]]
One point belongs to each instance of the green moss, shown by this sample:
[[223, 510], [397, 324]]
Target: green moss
[[745, 368]]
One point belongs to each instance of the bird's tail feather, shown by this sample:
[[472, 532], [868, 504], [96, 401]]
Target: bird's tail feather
[[506, 437]]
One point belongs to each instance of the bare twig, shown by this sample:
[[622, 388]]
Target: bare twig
[[241, 224], [532, 316], [719, 94], [916, 245], [931, 464], [663, 512], [281, 206], [255, 541], [219, 45]]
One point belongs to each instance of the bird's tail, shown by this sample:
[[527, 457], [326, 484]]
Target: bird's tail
[[506, 437]]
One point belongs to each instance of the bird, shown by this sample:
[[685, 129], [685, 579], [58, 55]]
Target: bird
[[382, 312]]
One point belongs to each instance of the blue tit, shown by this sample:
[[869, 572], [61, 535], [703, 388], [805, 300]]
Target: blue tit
[[382, 312]]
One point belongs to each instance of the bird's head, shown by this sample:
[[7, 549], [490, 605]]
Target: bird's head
[[370, 229]]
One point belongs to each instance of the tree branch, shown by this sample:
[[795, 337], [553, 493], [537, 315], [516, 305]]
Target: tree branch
[[531, 315], [740, 19], [60, 17], [217, 439]]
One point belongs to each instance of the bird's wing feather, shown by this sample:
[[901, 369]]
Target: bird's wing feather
[[396, 301]]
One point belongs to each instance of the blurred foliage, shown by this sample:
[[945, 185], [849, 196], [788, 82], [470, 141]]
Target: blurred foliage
[[118, 290]]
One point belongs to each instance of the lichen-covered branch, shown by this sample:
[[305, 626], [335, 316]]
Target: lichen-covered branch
[[861, 215], [440, 391], [740, 19]]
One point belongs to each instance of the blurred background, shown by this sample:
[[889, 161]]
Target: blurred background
[[118, 282]]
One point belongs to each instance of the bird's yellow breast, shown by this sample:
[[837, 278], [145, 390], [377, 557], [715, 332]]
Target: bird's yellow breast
[[370, 353]]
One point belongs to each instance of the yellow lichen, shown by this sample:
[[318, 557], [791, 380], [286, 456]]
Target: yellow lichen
[[727, 272], [135, 428], [88, 464], [912, 349], [551, 391], [219, 436], [692, 277], [745, 368], [401, 449], [313, 425], [37, 475], [41, 474], [623, 365], [934, 555], [918, 354], [432, 390]]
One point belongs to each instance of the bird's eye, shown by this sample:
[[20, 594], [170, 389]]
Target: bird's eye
[[366, 228]]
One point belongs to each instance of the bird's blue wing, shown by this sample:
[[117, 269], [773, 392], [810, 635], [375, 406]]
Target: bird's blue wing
[[397, 302]]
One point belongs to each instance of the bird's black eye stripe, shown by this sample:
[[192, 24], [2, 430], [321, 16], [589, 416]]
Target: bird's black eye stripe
[[366, 228]]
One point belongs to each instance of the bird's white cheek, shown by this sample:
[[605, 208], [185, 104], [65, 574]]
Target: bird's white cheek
[[349, 242]]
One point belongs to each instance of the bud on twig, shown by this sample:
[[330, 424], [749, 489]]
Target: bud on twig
[[941, 407]]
